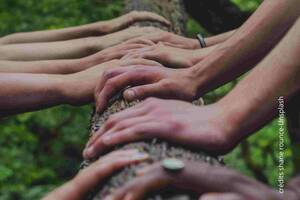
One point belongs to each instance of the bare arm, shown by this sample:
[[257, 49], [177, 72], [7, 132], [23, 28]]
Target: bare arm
[[248, 45], [256, 97], [67, 66], [216, 128], [216, 39], [76, 48], [87, 30], [22, 92]]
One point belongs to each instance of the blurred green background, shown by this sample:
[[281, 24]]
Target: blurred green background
[[41, 150]]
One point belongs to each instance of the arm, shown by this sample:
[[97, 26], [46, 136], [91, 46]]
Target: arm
[[172, 57], [67, 66], [249, 44], [69, 49], [76, 48], [22, 92], [200, 178], [216, 128], [217, 39], [87, 30], [90, 177]]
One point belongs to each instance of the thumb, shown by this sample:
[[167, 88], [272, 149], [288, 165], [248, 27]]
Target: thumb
[[221, 196], [141, 92]]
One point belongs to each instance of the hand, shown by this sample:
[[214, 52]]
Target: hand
[[207, 127], [148, 80], [169, 39], [129, 19], [78, 88], [99, 43], [110, 53], [167, 55], [170, 56], [198, 177], [90, 177]]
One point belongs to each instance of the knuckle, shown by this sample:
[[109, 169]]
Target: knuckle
[[168, 84], [107, 74]]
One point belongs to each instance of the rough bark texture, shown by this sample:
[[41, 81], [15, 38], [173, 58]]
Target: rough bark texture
[[158, 150]]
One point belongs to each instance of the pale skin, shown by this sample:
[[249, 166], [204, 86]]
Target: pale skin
[[87, 179], [245, 48], [204, 180], [28, 92], [67, 66], [69, 49], [217, 128], [87, 30]]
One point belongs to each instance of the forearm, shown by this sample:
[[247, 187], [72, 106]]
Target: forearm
[[45, 67], [248, 45], [254, 101], [69, 49], [28, 92], [217, 39], [48, 51], [53, 35]]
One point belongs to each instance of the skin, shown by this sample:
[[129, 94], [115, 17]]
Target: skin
[[68, 49], [68, 66], [203, 179], [245, 48], [93, 29], [171, 56], [178, 41], [217, 127], [28, 92], [159, 118], [90, 177]]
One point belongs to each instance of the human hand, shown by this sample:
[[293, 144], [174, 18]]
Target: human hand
[[90, 177], [128, 19], [78, 88], [168, 55], [198, 177], [148, 80], [204, 127], [102, 42], [110, 53], [169, 39]]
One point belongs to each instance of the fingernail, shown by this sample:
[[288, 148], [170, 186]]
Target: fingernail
[[130, 94], [89, 152]]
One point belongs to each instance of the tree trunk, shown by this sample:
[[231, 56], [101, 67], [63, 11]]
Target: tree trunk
[[157, 149]]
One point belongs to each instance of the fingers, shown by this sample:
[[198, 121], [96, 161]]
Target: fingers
[[141, 92], [89, 177], [114, 84], [114, 119], [140, 40], [221, 196], [140, 61], [147, 16], [137, 129], [153, 180]]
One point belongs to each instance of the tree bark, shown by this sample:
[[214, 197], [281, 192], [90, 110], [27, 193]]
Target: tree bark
[[157, 149]]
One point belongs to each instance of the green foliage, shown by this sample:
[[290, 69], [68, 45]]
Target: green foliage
[[247, 5], [41, 150]]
